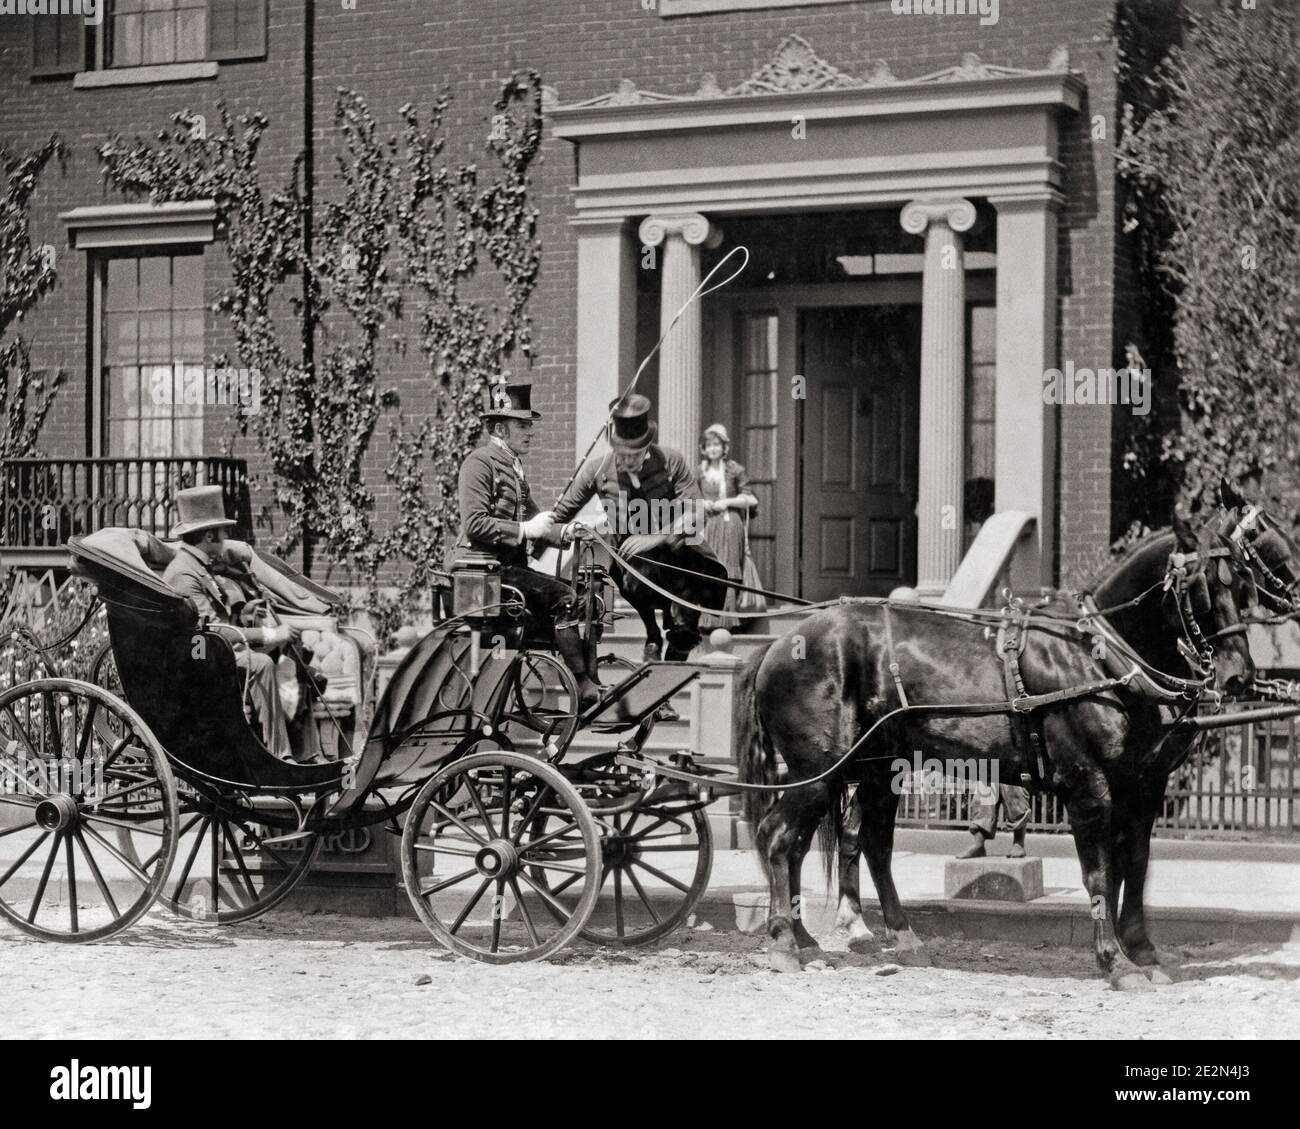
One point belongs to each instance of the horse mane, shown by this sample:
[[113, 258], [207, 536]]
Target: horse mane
[[1117, 565]]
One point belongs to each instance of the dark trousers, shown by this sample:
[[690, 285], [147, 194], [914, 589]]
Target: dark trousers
[[1014, 802], [682, 625], [549, 601]]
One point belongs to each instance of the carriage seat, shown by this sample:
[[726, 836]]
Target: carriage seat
[[146, 557]]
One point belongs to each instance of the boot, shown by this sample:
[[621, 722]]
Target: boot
[[569, 643], [976, 849], [1017, 844]]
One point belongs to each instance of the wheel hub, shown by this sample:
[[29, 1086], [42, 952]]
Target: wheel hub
[[57, 813], [497, 859], [619, 849]]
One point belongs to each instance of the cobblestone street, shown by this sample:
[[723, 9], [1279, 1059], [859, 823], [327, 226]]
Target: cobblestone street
[[326, 976]]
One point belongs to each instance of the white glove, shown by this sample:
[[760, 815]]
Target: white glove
[[275, 636], [539, 526]]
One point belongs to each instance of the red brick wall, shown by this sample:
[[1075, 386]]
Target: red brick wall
[[393, 51]]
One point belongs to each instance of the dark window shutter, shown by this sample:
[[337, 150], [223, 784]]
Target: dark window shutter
[[58, 44], [236, 29]]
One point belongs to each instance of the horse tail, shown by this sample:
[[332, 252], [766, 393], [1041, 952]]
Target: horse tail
[[830, 831], [750, 743]]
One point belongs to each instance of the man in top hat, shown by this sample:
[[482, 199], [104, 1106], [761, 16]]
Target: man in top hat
[[653, 500], [499, 517], [202, 532]]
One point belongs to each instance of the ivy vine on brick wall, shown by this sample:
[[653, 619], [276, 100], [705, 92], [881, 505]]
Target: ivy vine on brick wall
[[406, 227], [26, 275]]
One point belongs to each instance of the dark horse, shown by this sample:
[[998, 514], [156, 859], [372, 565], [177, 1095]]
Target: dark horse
[[1275, 565], [813, 694]]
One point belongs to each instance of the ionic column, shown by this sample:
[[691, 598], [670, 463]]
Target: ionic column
[[681, 360], [606, 322], [943, 388]]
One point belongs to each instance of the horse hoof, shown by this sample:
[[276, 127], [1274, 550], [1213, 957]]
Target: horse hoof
[[913, 958], [808, 943], [1158, 976], [860, 938], [1130, 981], [783, 961]]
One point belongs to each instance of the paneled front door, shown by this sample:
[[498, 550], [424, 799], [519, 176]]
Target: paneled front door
[[859, 449]]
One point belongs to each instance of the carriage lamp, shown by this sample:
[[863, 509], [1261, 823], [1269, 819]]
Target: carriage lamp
[[475, 586]]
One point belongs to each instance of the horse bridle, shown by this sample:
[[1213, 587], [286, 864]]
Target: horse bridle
[[1276, 592]]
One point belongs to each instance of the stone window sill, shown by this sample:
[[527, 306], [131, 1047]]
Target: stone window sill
[[140, 76], [671, 8]]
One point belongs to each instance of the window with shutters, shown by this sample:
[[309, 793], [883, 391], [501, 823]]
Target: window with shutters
[[58, 45], [150, 33]]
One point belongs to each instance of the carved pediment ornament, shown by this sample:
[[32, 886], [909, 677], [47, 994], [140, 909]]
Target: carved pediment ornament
[[796, 68]]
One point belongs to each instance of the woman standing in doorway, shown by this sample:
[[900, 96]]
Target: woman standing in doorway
[[728, 502]]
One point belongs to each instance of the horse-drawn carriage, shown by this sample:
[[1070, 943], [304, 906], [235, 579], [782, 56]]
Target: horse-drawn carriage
[[509, 837], [153, 786]]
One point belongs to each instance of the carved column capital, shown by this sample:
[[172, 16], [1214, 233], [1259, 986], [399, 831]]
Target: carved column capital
[[957, 213], [694, 229]]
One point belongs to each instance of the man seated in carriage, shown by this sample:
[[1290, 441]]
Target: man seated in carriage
[[499, 518], [202, 532], [652, 499]]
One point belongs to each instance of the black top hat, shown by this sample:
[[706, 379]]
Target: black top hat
[[629, 422], [510, 400]]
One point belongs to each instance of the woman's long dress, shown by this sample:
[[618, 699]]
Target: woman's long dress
[[725, 532]]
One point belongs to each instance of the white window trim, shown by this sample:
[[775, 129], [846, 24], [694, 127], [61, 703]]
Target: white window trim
[[104, 227], [141, 225]]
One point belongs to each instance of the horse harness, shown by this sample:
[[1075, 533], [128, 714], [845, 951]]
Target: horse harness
[[1185, 577]]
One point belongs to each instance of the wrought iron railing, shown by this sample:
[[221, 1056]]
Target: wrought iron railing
[[43, 502], [1241, 782]]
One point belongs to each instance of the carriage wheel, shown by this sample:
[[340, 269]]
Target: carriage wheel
[[103, 670], [469, 872], [225, 871], [70, 786], [655, 861], [526, 719]]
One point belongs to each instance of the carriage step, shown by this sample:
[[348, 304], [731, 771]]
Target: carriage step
[[288, 837]]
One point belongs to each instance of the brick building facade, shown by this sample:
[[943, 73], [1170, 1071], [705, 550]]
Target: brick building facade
[[1027, 104]]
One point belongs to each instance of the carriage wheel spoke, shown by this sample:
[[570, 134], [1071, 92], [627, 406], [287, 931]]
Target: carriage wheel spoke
[[21, 729], [471, 786], [23, 858], [448, 814], [551, 836], [87, 729], [528, 816], [442, 849], [555, 905], [95, 872], [469, 906], [662, 876], [498, 908], [45, 878], [179, 888], [239, 862], [71, 864], [546, 864], [523, 912], [505, 802], [139, 874], [153, 858], [557, 890], [640, 890], [618, 901], [95, 817], [121, 792], [21, 827], [433, 888], [52, 726]]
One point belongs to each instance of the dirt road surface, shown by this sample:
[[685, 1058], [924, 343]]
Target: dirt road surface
[[322, 976]]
